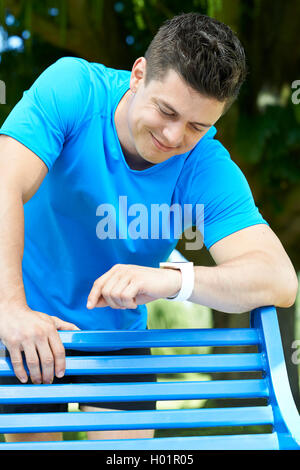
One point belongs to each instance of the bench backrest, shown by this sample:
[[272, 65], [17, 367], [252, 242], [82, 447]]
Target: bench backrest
[[277, 410]]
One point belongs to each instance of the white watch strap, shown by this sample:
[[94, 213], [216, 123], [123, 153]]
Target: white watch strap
[[188, 279]]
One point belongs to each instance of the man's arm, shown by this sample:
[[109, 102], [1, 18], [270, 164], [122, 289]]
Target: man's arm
[[22, 329], [252, 270]]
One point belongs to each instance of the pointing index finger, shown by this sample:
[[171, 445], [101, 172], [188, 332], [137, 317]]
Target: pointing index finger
[[95, 292]]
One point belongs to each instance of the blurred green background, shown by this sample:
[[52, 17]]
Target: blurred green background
[[261, 130]]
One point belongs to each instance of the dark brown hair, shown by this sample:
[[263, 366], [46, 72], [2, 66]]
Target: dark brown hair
[[203, 51]]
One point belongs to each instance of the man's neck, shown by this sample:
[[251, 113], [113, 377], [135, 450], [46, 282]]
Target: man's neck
[[133, 161]]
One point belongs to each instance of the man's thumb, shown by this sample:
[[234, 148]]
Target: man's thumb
[[64, 325]]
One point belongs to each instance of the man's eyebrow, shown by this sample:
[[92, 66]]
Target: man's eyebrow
[[164, 103]]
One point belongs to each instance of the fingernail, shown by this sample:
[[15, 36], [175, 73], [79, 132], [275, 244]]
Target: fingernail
[[60, 374], [89, 304], [23, 380]]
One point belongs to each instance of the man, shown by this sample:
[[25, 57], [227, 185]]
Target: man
[[86, 138]]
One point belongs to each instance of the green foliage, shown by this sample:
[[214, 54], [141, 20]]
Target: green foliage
[[74, 436], [28, 23], [2, 12], [213, 7], [219, 431], [165, 314], [148, 15], [170, 315], [297, 112], [98, 6], [270, 142], [63, 19]]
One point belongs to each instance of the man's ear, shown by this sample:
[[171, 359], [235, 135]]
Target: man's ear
[[138, 73]]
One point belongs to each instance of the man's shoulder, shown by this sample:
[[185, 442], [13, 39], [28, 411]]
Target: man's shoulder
[[206, 165], [208, 151], [92, 86], [68, 66], [80, 67]]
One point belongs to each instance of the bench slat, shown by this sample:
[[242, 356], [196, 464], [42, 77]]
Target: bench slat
[[236, 442], [90, 340], [154, 364], [158, 419], [66, 393]]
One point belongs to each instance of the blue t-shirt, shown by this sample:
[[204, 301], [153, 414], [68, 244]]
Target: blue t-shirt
[[93, 211]]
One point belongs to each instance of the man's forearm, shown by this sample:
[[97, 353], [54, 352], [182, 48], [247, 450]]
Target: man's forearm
[[245, 283], [11, 248]]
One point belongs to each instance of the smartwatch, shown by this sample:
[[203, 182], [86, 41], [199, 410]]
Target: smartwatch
[[188, 279]]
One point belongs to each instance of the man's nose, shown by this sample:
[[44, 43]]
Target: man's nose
[[173, 134]]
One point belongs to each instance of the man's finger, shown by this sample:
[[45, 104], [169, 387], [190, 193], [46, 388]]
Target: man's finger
[[46, 360], [115, 287], [17, 363], [101, 302], [129, 294], [95, 291], [63, 325], [57, 347], [109, 292], [94, 295], [59, 355], [33, 363]]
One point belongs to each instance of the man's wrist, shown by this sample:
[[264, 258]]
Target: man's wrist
[[10, 306], [176, 279], [187, 278]]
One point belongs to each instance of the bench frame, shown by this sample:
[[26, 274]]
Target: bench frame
[[280, 410]]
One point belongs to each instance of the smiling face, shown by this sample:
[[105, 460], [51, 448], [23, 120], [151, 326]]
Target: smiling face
[[163, 118]]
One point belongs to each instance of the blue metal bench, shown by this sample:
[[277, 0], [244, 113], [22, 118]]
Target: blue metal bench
[[278, 409]]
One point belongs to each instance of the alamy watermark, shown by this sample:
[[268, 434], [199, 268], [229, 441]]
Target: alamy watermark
[[2, 92], [296, 353], [296, 94], [159, 221]]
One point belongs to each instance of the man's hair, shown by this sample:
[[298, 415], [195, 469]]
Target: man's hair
[[203, 51]]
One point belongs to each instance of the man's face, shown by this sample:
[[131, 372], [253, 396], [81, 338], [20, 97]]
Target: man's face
[[166, 118]]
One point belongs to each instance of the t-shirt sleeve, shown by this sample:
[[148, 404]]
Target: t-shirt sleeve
[[220, 191], [51, 110]]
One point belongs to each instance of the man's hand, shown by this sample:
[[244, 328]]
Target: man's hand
[[34, 333], [127, 286]]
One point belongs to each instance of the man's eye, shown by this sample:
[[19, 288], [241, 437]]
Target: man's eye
[[165, 113]]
